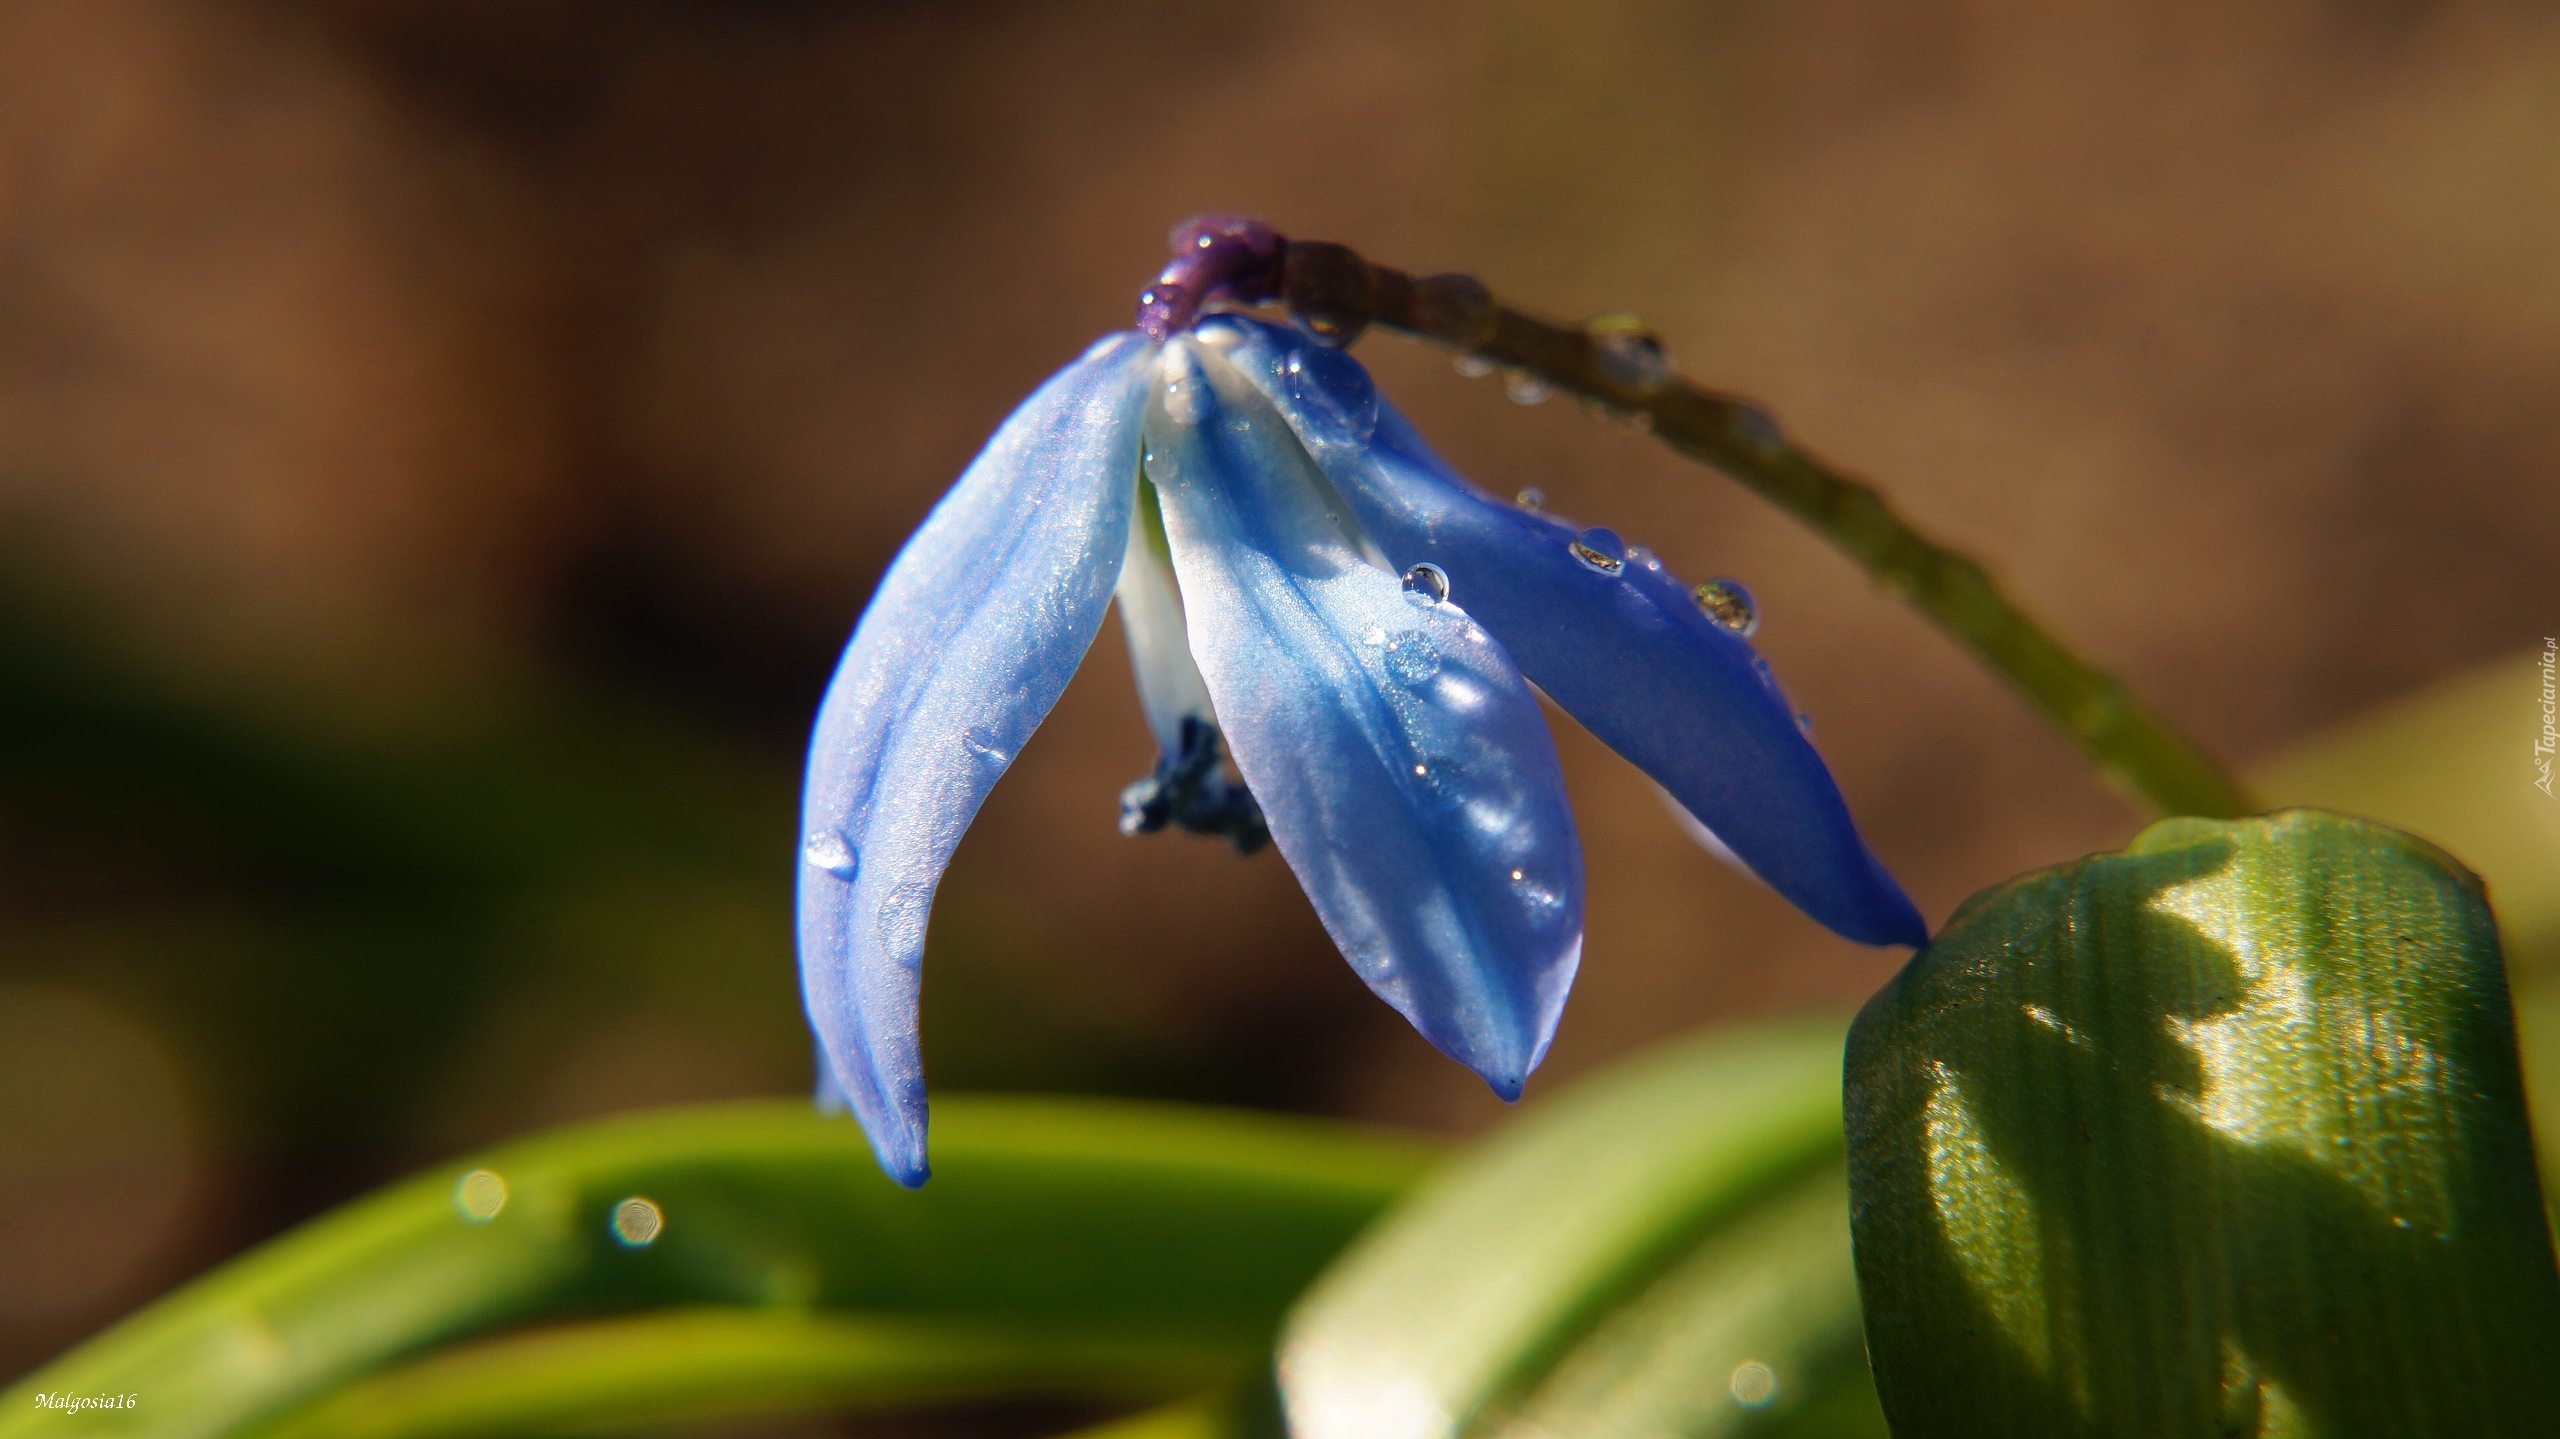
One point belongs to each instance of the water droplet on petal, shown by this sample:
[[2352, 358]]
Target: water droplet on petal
[[1525, 388], [1184, 403], [1473, 366], [1426, 585], [827, 850], [1532, 499], [1161, 467], [1804, 722], [1333, 385], [1542, 901], [1412, 658], [1601, 551], [637, 1222], [979, 746], [1728, 604]]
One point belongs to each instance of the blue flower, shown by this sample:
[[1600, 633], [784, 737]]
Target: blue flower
[[1311, 594]]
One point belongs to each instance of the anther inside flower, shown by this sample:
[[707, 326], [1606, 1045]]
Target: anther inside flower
[[1308, 591]]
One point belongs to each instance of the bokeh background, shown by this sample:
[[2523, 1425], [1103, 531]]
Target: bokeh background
[[443, 444]]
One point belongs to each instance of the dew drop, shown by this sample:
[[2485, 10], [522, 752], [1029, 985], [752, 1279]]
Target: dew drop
[[1412, 658], [1473, 366], [1804, 723], [1540, 899], [1628, 353], [1426, 585], [1525, 388], [1161, 467], [979, 746], [1758, 428], [1532, 499], [827, 850], [1600, 551], [1331, 384], [1186, 400], [1728, 604], [1754, 1385], [479, 1195], [637, 1222]]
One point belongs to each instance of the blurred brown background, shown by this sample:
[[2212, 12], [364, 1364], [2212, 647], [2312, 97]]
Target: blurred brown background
[[442, 446]]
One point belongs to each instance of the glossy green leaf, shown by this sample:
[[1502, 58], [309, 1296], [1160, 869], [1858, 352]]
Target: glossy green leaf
[[701, 1364], [2454, 764], [1447, 1314], [1123, 1221], [2219, 1135]]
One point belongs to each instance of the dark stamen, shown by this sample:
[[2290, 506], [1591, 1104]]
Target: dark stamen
[[1190, 790]]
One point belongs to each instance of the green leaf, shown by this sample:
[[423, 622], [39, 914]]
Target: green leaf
[[700, 1364], [1123, 1221], [2222, 1134], [2454, 764], [1448, 1314], [1752, 1331]]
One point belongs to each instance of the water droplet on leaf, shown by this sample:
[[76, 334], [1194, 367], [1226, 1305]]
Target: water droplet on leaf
[[637, 1222]]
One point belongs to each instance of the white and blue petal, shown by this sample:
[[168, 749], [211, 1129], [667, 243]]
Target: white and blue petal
[[1399, 757], [973, 633], [1623, 648]]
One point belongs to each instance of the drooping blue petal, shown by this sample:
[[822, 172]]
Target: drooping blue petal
[[1406, 773], [1626, 650], [973, 633]]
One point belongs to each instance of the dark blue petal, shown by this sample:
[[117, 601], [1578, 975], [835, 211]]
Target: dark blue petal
[[1629, 653], [1402, 763], [974, 631]]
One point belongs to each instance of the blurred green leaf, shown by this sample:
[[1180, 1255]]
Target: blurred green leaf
[[1116, 1222], [1511, 1266], [701, 1364], [1754, 1331], [2222, 1134]]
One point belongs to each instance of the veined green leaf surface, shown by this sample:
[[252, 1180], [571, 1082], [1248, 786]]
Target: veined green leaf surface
[[2219, 1135], [1446, 1314], [2456, 765], [1107, 1219]]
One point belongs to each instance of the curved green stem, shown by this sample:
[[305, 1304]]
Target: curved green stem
[[1614, 363]]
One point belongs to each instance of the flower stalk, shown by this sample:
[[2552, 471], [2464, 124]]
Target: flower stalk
[[1615, 362]]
